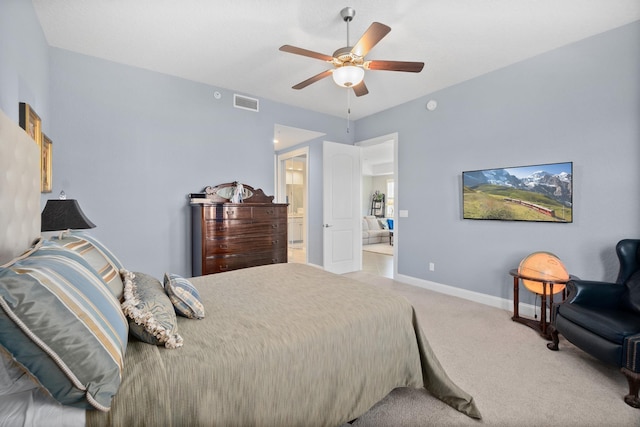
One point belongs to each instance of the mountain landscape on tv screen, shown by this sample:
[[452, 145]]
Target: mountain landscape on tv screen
[[498, 194], [557, 187]]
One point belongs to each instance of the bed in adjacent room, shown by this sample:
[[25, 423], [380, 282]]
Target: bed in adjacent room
[[276, 345]]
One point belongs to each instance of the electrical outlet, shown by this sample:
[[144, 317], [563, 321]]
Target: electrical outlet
[[432, 267]]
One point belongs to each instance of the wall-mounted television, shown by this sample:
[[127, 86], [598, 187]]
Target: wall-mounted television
[[541, 193]]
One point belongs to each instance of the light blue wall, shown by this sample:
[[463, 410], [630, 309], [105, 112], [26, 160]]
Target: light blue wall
[[132, 143], [579, 103], [24, 62]]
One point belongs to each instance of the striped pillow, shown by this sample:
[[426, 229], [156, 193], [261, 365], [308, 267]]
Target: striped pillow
[[97, 255], [59, 321], [184, 296]]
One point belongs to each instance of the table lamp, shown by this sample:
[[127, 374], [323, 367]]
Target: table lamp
[[63, 214]]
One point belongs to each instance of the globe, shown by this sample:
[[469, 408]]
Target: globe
[[543, 266]]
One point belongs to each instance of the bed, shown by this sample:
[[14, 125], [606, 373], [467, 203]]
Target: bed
[[277, 345]]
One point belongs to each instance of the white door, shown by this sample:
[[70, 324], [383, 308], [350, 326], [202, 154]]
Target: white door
[[342, 223]]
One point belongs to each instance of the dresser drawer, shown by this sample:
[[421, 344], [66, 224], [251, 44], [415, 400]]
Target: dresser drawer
[[275, 256], [221, 212], [231, 228], [247, 245], [222, 263], [269, 213]]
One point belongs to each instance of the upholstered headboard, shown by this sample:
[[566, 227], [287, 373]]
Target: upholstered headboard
[[19, 189]]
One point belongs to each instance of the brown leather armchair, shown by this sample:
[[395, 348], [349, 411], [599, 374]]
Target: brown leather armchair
[[603, 319]]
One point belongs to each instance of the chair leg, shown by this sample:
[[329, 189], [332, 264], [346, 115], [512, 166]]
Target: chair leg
[[633, 378], [553, 345]]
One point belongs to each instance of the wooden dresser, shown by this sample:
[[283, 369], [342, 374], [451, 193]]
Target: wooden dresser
[[229, 236]]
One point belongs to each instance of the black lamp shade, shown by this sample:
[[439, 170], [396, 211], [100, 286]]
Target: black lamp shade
[[63, 215]]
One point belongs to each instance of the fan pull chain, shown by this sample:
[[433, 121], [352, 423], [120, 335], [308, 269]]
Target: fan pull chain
[[348, 109], [347, 20]]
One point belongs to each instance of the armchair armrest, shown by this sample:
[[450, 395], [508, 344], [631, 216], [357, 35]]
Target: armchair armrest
[[594, 294]]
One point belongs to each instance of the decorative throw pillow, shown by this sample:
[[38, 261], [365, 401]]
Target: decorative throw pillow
[[63, 326], [152, 318], [372, 222], [184, 296], [97, 255]]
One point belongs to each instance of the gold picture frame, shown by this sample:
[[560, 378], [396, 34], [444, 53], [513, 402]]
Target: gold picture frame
[[45, 164], [30, 122]]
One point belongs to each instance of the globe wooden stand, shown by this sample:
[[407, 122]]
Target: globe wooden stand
[[542, 326]]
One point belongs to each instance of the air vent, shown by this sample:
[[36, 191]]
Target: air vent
[[245, 102]]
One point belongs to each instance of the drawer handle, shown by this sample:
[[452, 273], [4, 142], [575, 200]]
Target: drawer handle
[[230, 212], [224, 267], [270, 212], [224, 246], [275, 242], [274, 225]]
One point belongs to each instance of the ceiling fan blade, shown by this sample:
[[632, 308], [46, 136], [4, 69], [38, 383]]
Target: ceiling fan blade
[[305, 52], [370, 38], [411, 67], [313, 79], [360, 89]]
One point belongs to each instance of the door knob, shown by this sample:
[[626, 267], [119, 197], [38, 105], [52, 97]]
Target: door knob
[[327, 225]]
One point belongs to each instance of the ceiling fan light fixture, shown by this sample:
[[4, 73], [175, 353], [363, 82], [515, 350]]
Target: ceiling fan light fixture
[[348, 75], [349, 62]]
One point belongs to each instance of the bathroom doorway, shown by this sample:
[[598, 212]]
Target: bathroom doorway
[[293, 189]]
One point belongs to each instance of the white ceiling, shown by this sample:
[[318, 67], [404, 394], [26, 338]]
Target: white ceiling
[[378, 159], [234, 44], [287, 136]]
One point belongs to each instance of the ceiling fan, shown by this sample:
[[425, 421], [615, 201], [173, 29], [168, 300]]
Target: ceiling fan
[[349, 63]]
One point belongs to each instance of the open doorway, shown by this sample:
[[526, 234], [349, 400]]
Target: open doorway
[[379, 201], [292, 185], [293, 188]]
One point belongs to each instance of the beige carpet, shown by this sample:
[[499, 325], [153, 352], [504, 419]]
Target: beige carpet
[[379, 248], [514, 378]]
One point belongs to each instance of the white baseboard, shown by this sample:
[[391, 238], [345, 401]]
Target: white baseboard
[[501, 303]]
